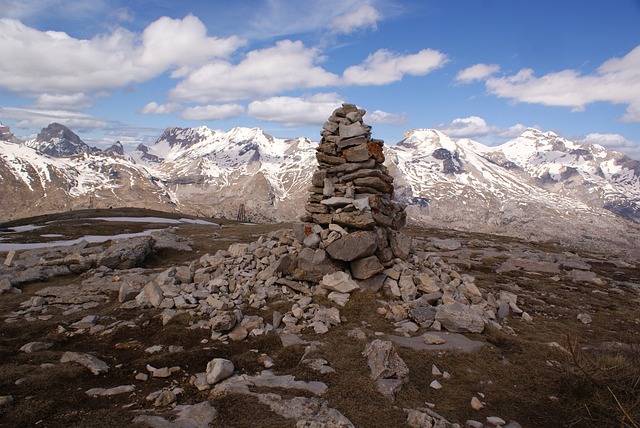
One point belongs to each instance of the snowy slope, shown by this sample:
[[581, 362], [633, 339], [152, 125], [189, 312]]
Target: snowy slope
[[231, 164], [588, 173]]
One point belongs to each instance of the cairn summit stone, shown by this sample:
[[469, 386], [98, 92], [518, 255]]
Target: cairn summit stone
[[351, 190]]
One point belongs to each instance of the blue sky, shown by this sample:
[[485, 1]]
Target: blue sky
[[480, 69]]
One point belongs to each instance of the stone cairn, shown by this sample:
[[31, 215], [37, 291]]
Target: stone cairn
[[351, 223]]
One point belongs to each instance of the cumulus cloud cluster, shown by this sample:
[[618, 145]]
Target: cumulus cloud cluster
[[613, 142], [616, 81], [476, 127], [212, 80], [53, 63]]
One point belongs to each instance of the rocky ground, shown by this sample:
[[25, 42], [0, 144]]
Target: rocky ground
[[202, 325]]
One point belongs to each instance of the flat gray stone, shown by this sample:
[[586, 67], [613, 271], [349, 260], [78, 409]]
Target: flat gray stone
[[95, 365], [459, 318], [453, 342], [366, 267], [355, 245]]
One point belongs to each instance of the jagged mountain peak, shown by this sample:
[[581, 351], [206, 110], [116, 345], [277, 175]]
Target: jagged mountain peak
[[7, 135], [116, 149], [57, 140], [184, 137], [427, 141]]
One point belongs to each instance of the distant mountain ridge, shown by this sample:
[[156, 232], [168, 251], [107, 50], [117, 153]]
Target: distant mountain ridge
[[538, 185]]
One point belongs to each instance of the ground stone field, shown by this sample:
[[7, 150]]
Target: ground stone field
[[86, 345]]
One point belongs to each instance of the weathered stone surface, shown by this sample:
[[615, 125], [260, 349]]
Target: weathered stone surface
[[355, 245], [11, 255], [127, 253], [122, 389], [357, 220], [224, 321], [366, 267], [400, 244], [448, 342], [95, 365], [218, 370], [306, 411], [312, 265], [458, 318], [422, 312], [35, 347], [352, 130], [374, 183], [387, 368], [359, 153], [7, 287], [339, 281], [331, 160], [151, 294]]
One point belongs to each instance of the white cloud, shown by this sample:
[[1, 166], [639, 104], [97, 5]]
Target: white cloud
[[382, 117], [286, 66], [365, 16], [77, 101], [384, 67], [476, 127], [282, 18], [514, 131], [616, 81], [466, 127], [155, 108], [212, 112], [611, 141], [476, 72], [291, 111], [36, 118], [122, 14], [35, 62], [20, 9]]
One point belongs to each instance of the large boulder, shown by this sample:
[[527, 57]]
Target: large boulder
[[126, 253], [312, 265], [459, 318], [356, 245]]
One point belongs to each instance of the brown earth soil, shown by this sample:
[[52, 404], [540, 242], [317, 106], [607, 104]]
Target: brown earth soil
[[591, 379]]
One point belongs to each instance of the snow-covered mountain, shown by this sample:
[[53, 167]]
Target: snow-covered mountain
[[220, 173], [58, 172], [538, 186]]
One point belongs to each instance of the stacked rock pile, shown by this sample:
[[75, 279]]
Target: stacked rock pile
[[350, 213]]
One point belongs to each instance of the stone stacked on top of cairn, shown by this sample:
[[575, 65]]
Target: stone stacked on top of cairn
[[351, 223]]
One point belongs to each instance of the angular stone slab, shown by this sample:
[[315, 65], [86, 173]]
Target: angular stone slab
[[453, 342], [358, 220], [459, 318], [340, 282], [366, 267], [312, 265], [359, 153], [354, 130], [356, 245], [95, 365]]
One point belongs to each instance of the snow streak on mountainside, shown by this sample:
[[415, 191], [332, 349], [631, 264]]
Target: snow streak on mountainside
[[35, 183], [222, 173], [537, 186], [589, 173]]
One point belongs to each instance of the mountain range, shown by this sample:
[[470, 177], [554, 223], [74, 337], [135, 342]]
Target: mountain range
[[538, 186]]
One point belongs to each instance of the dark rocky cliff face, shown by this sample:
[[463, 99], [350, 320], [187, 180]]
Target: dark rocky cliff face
[[59, 141], [7, 135]]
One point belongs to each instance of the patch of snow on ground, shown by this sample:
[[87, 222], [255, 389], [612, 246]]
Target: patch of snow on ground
[[66, 243], [155, 220]]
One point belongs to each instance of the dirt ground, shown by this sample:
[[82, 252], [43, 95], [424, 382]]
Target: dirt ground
[[589, 378]]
